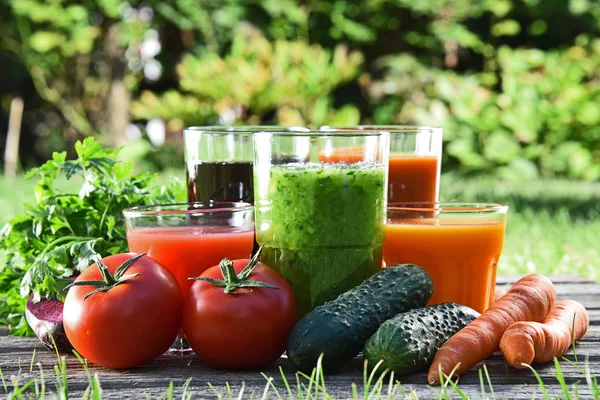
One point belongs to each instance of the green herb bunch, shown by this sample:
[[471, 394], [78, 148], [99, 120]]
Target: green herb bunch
[[59, 233]]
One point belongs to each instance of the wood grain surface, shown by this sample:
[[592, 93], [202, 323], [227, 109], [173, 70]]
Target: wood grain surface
[[22, 358]]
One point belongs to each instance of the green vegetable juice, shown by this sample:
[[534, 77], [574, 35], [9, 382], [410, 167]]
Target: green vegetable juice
[[322, 225]]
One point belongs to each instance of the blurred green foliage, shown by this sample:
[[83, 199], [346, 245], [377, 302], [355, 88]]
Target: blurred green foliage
[[542, 119], [292, 79], [72, 52], [514, 83]]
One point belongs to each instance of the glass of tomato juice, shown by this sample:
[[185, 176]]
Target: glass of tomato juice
[[459, 244], [188, 238], [414, 160]]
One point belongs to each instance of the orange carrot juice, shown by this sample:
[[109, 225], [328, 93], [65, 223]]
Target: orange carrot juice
[[187, 251], [460, 254]]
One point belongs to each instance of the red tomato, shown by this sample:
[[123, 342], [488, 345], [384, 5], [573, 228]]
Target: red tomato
[[243, 330], [129, 324]]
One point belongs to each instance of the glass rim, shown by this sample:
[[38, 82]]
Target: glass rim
[[447, 206], [154, 209], [242, 129], [392, 129], [318, 133]]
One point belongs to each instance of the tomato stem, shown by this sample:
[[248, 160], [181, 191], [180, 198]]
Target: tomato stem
[[233, 281], [109, 280], [228, 272], [106, 275]]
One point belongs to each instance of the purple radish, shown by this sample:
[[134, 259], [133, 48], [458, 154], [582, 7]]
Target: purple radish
[[46, 319]]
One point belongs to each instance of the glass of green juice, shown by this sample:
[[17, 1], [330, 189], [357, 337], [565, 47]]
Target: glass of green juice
[[320, 201]]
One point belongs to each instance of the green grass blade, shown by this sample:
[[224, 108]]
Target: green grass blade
[[186, 393], [286, 383], [217, 394], [561, 379], [378, 387], [32, 361], [299, 387], [489, 381], [270, 383], [170, 391], [573, 337], [321, 379], [228, 391], [241, 393], [18, 392], [481, 384], [42, 381], [265, 392], [392, 388], [310, 381], [354, 391], [62, 388], [572, 364], [457, 390], [96, 388], [444, 381], [539, 380], [3, 381], [368, 378], [592, 381]]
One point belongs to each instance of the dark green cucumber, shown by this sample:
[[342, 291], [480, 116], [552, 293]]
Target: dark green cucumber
[[408, 342], [340, 328]]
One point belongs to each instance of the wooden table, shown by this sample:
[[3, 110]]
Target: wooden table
[[153, 379]]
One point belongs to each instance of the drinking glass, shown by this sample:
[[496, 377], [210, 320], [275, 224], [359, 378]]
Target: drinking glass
[[188, 238], [219, 161], [415, 160], [459, 244], [320, 209]]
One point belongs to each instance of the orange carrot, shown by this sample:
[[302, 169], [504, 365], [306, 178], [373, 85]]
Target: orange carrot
[[527, 342], [530, 299], [498, 293]]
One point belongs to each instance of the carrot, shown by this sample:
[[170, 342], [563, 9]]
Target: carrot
[[498, 293], [530, 299], [527, 342]]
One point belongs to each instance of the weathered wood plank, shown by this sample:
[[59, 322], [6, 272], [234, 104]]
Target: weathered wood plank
[[153, 379]]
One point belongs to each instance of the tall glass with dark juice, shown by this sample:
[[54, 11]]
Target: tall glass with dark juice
[[458, 244], [219, 162], [414, 161], [321, 221]]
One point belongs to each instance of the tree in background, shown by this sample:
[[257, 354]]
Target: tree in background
[[513, 82], [76, 55]]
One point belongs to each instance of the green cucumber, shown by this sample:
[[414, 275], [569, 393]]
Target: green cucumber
[[408, 342], [339, 329]]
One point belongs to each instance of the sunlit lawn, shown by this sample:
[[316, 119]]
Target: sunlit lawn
[[553, 226]]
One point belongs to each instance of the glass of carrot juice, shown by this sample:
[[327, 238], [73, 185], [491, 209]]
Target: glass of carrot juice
[[414, 161], [189, 238], [459, 244]]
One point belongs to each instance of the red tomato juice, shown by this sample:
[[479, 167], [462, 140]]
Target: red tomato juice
[[189, 251]]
